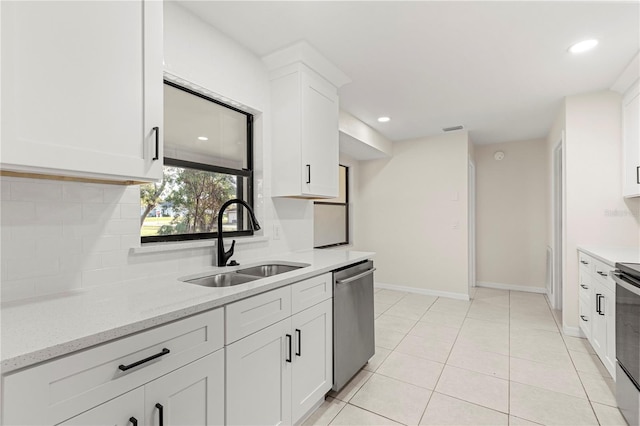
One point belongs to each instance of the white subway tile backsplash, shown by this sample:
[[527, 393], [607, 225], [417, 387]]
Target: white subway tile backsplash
[[82, 193], [100, 212], [35, 230], [115, 258], [36, 190], [104, 276], [60, 236], [60, 283], [123, 227], [32, 266], [5, 190], [17, 212], [58, 212], [130, 211], [103, 243], [130, 241], [131, 195]]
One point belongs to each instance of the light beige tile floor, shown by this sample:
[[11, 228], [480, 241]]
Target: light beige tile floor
[[498, 359]]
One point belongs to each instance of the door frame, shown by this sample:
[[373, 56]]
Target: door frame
[[471, 208], [558, 209]]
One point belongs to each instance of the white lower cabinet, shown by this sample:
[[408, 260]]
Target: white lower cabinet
[[191, 395], [597, 309], [281, 371], [259, 378], [179, 365], [312, 358]]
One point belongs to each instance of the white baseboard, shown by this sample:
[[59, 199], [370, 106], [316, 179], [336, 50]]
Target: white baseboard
[[514, 287], [427, 292], [572, 331]]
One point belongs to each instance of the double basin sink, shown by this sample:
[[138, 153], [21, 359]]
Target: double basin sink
[[245, 275]]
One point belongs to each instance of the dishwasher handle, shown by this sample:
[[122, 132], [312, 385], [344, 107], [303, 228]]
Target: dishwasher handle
[[356, 277]]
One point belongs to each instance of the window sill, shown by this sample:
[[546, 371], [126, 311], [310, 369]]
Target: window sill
[[187, 245]]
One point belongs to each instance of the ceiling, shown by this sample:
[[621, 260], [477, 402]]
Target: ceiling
[[499, 68]]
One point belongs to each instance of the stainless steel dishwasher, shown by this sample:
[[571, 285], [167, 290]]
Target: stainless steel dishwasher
[[353, 319]]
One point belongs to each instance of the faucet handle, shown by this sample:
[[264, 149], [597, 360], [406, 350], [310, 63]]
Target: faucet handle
[[229, 253]]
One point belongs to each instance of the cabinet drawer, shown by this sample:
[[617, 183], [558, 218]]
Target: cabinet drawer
[[585, 319], [585, 285], [311, 292], [601, 272], [586, 262], [58, 390], [255, 313]]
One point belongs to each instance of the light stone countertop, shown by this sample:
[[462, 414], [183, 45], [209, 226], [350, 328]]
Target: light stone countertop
[[613, 255], [40, 329]]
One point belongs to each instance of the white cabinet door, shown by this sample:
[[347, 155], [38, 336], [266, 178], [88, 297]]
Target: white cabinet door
[[631, 144], [609, 308], [82, 88], [313, 357], [599, 323], [191, 395], [305, 134], [125, 410], [319, 138], [259, 377]]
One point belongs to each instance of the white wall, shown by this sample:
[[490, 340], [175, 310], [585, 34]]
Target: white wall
[[407, 207], [60, 236], [512, 196], [596, 213]]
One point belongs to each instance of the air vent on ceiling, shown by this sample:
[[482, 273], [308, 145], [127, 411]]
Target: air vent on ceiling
[[451, 129]]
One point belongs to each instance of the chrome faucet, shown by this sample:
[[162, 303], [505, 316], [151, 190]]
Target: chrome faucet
[[224, 256]]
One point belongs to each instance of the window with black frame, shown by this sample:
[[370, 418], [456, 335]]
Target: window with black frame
[[207, 161], [331, 217]]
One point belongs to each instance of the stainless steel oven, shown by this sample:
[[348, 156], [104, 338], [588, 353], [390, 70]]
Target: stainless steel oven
[[627, 277]]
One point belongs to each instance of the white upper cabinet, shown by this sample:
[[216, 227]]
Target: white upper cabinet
[[305, 135], [631, 142], [82, 89], [304, 111]]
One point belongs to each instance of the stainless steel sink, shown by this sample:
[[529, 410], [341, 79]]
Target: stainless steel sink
[[245, 275], [226, 279], [269, 270]]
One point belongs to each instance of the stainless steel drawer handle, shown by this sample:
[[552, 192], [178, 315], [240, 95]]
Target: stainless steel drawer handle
[[584, 262], [356, 277], [142, 361], [584, 286], [604, 274]]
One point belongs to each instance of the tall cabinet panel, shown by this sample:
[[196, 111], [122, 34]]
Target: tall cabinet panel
[[82, 88], [305, 134], [631, 142]]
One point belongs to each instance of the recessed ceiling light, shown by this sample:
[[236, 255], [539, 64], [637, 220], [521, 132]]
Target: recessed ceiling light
[[383, 119], [203, 138], [583, 46]]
